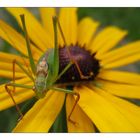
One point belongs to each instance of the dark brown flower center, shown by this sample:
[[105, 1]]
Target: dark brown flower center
[[87, 64]]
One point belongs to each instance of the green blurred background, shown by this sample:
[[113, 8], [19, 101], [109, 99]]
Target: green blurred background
[[126, 18]]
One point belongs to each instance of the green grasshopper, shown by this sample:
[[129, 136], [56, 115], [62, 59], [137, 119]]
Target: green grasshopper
[[46, 72]]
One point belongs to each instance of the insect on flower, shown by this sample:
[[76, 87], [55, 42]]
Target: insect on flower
[[79, 59], [58, 66]]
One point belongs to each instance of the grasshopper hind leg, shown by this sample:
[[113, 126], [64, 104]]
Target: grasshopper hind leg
[[14, 85], [67, 91], [9, 91], [76, 101], [16, 105], [73, 61]]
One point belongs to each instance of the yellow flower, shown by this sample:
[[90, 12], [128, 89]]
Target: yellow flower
[[100, 106]]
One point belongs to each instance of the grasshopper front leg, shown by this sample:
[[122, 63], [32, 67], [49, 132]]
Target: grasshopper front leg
[[10, 92], [14, 85]]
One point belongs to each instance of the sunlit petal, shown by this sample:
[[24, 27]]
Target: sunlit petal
[[21, 94], [41, 116], [129, 110], [122, 56], [106, 117], [9, 74], [34, 28], [106, 39], [82, 122], [120, 77], [9, 67], [46, 15], [68, 21], [15, 39], [6, 57], [86, 29], [122, 90]]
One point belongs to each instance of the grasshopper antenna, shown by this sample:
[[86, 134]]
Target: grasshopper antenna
[[56, 50], [32, 64]]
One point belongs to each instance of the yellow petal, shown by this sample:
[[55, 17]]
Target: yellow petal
[[122, 90], [9, 74], [123, 51], [16, 40], [122, 62], [105, 116], [20, 95], [107, 39], [6, 65], [83, 123], [129, 110], [46, 15], [6, 57], [23, 96], [121, 56], [19, 81], [43, 114], [9, 67], [68, 21], [34, 28], [120, 77], [86, 29]]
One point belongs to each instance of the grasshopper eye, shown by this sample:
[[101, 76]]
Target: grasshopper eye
[[33, 88], [42, 67], [46, 67]]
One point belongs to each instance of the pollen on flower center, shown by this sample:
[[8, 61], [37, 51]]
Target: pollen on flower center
[[87, 64]]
